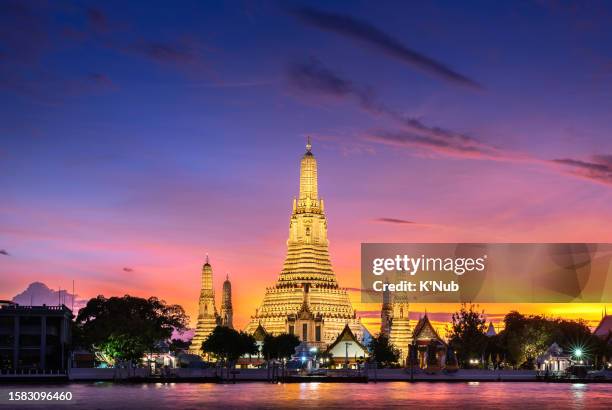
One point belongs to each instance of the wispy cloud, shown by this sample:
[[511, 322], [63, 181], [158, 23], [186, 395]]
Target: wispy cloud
[[101, 80], [168, 52], [182, 51], [443, 143], [97, 19], [313, 77], [31, 31], [233, 84], [374, 37], [4, 252], [598, 169], [24, 32], [129, 270], [394, 221]]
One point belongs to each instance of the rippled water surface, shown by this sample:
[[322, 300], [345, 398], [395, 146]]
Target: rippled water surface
[[321, 395]]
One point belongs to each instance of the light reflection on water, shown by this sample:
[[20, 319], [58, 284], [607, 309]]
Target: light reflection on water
[[323, 395], [578, 389]]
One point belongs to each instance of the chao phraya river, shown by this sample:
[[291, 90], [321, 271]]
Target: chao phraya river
[[437, 395]]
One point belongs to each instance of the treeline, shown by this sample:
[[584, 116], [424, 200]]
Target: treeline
[[523, 339], [228, 345], [126, 328]]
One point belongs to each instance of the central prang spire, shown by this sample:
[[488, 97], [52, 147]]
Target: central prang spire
[[307, 246], [308, 176], [306, 299]]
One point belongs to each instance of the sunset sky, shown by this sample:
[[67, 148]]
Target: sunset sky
[[135, 140]]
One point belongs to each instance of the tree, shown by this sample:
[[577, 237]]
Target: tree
[[524, 338], [124, 328], [269, 350], [576, 334], [249, 344], [467, 335], [286, 344], [451, 361], [512, 338], [384, 353], [538, 334], [495, 350], [280, 347], [121, 348], [228, 345], [176, 345], [601, 351]]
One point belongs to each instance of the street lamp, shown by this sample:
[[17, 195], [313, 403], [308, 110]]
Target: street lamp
[[346, 358], [579, 355]]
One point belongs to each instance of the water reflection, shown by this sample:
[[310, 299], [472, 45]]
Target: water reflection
[[327, 395], [578, 390]]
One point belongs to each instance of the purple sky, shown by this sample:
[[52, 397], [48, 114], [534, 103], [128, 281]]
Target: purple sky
[[136, 137]]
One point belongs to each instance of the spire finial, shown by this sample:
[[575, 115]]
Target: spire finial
[[308, 144], [207, 259], [227, 276]]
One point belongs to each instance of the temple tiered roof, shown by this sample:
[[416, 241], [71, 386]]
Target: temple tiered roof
[[604, 329], [424, 332]]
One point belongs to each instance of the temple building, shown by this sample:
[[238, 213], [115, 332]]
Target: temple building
[[255, 360], [386, 313], [399, 333], [306, 299], [430, 347], [491, 330], [604, 328], [346, 351], [227, 312], [554, 361], [208, 318]]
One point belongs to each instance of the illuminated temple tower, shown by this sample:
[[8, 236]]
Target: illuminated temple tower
[[207, 315], [306, 299], [227, 312], [399, 334], [386, 314]]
